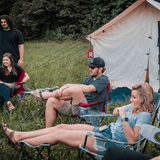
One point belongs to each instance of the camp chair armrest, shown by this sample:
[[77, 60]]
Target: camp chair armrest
[[94, 113], [86, 105], [99, 115], [86, 150], [106, 139]]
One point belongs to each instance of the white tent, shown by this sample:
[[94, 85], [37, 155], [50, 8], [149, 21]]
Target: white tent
[[124, 44]]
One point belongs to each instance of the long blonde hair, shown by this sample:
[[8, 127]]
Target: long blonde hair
[[146, 97]]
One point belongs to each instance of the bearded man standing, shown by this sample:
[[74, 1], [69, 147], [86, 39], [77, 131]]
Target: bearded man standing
[[11, 41]]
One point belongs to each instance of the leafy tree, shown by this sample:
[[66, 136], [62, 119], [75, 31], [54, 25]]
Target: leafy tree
[[6, 6], [36, 18], [33, 17], [72, 14], [103, 11]]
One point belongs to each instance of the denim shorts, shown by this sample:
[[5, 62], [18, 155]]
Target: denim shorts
[[99, 145]]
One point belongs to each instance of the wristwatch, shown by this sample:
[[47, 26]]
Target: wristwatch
[[125, 119]]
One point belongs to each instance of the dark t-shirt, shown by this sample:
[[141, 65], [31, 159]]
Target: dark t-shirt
[[11, 77], [9, 41], [101, 91]]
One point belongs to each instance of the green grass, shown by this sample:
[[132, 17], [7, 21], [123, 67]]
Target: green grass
[[48, 65]]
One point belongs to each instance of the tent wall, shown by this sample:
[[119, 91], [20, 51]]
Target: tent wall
[[124, 46]]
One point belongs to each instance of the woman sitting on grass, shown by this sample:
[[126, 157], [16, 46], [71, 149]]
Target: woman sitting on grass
[[8, 75], [126, 128]]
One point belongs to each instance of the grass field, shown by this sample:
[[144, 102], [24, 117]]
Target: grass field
[[48, 65]]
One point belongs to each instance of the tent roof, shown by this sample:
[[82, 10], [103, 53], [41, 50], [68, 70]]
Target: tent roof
[[123, 14]]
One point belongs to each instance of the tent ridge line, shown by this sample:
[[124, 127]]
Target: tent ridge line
[[117, 18]]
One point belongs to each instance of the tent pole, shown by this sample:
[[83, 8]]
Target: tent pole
[[158, 45]]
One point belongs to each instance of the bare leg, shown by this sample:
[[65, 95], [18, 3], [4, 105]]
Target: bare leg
[[55, 104], [74, 93], [72, 135], [52, 106], [25, 135], [72, 138]]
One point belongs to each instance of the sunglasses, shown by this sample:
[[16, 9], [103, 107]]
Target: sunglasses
[[92, 67]]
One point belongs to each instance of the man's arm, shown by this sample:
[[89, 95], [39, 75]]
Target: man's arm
[[21, 53], [87, 88]]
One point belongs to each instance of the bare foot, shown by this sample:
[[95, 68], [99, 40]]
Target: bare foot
[[42, 96], [10, 133], [22, 99], [10, 106], [11, 137]]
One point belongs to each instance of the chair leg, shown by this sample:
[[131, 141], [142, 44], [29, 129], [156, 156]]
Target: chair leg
[[70, 120], [85, 141], [25, 153], [145, 146], [48, 148], [39, 152]]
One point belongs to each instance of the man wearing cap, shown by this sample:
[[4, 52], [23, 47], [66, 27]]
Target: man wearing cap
[[66, 100]]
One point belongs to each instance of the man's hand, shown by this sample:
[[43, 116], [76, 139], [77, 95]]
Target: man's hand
[[20, 62], [58, 93]]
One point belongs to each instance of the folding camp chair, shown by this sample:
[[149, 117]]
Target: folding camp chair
[[41, 147], [120, 94], [130, 145], [150, 133], [84, 109], [19, 92], [16, 94], [38, 148], [157, 113]]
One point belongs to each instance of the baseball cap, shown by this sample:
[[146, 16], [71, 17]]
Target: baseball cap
[[97, 62]]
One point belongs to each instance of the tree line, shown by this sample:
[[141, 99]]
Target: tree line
[[59, 19]]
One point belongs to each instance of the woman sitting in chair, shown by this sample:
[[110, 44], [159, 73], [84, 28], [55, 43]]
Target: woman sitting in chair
[[8, 75], [126, 128]]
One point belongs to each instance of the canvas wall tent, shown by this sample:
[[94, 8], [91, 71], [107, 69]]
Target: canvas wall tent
[[125, 42]]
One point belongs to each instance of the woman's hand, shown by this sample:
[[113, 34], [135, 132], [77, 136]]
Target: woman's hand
[[17, 86], [10, 85], [116, 111], [122, 112]]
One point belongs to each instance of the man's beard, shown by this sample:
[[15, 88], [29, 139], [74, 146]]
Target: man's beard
[[5, 27], [95, 74]]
